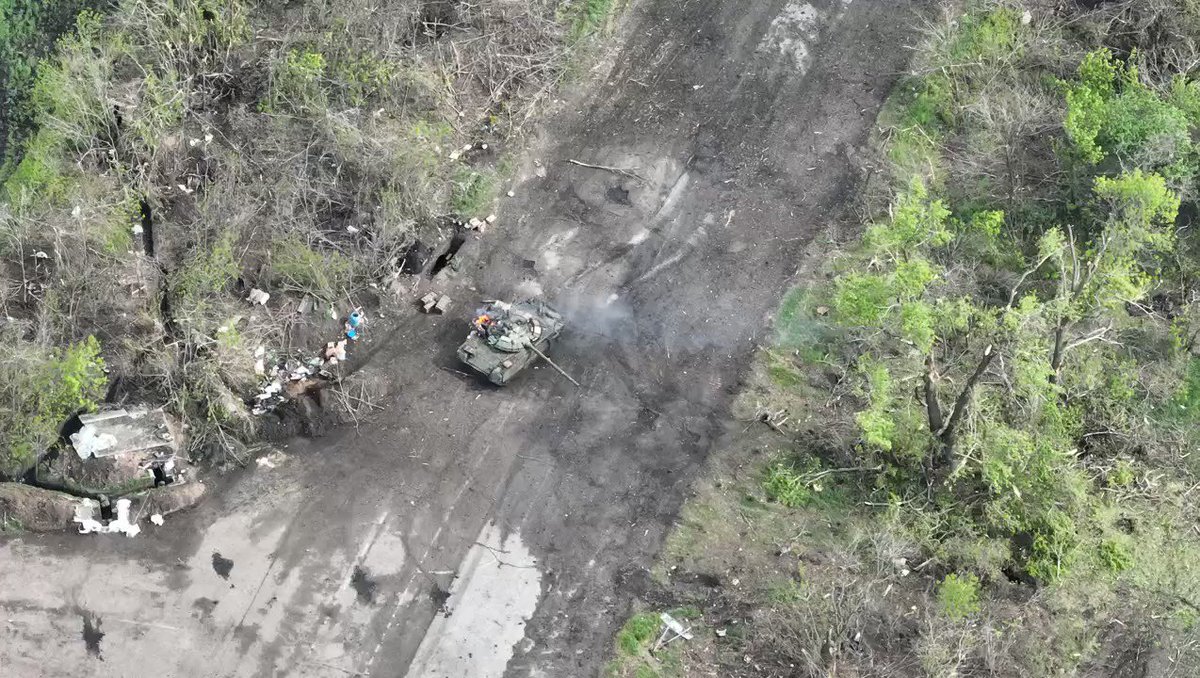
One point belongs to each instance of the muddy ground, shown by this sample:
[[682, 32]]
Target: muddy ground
[[474, 531]]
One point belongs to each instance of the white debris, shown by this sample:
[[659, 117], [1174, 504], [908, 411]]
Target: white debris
[[85, 513], [511, 194], [491, 218], [258, 296], [157, 519], [1026, 18], [40, 255]]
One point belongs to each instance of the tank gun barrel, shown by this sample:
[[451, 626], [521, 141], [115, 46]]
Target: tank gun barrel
[[552, 364]]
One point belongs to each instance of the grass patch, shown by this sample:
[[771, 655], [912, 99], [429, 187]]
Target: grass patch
[[473, 192], [589, 18]]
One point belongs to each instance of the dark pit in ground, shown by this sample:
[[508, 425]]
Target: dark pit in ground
[[221, 565]]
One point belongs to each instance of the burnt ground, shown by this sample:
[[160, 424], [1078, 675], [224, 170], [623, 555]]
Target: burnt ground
[[469, 530]]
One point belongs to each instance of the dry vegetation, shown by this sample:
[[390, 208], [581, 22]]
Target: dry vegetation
[[180, 153], [970, 450]]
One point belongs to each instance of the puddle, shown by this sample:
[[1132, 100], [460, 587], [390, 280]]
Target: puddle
[[221, 565], [364, 586], [92, 635]]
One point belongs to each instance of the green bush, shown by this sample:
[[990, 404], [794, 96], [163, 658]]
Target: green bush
[[636, 632], [786, 482], [1110, 111], [1115, 556], [472, 192], [959, 595], [1055, 542], [296, 83], [209, 273], [42, 388], [296, 266]]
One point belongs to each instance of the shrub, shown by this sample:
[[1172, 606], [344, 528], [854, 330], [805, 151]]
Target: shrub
[[296, 266], [959, 595], [472, 192], [786, 483], [634, 634], [296, 83], [42, 388], [209, 273], [1115, 556]]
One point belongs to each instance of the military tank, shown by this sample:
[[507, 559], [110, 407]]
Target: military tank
[[506, 338]]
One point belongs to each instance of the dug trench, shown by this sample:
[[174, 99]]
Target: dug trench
[[729, 133]]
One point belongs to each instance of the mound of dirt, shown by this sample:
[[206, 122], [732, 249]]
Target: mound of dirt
[[35, 509], [166, 500]]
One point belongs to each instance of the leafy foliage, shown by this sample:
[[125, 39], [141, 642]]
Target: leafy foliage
[[959, 595], [42, 388]]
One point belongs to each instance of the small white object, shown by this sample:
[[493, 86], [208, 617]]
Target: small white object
[[40, 255], [76, 211], [511, 194], [185, 189], [491, 218], [208, 137], [258, 296], [1026, 18], [352, 229], [157, 519]]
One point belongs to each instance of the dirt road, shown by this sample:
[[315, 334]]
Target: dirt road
[[471, 531]]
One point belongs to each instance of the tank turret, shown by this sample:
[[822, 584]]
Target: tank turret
[[505, 338]]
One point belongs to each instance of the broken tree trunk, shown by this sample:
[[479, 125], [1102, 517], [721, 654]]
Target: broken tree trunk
[[946, 434]]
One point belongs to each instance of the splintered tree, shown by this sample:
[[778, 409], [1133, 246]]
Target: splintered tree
[[996, 345]]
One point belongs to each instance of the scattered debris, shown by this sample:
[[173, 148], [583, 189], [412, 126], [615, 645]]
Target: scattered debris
[[306, 305], [822, 310], [434, 303], [292, 377], [121, 431], [271, 460], [258, 296], [672, 630], [491, 219], [355, 324], [157, 519], [721, 633], [335, 352]]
